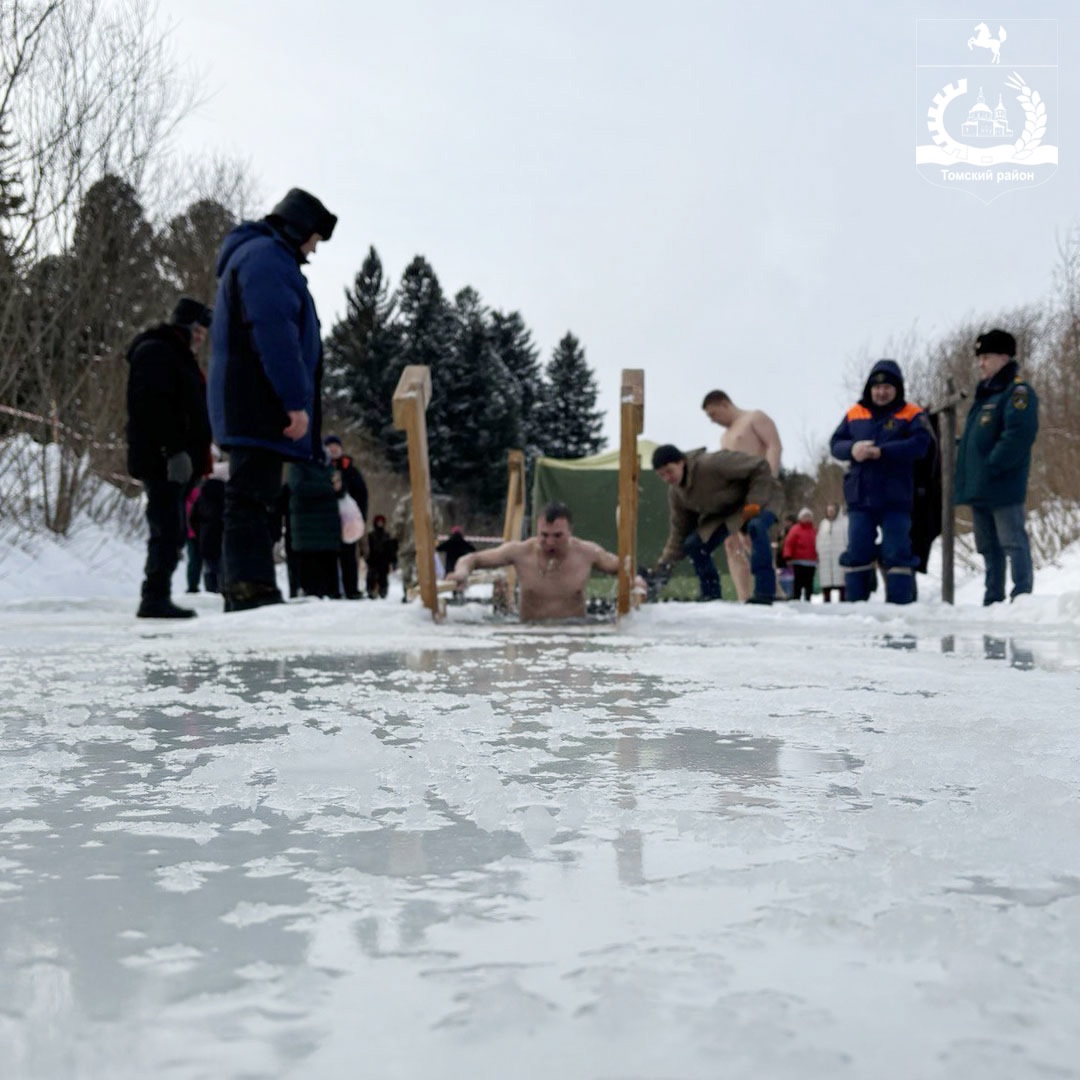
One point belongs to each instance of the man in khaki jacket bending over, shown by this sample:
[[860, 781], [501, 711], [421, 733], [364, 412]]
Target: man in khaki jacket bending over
[[553, 567], [714, 496]]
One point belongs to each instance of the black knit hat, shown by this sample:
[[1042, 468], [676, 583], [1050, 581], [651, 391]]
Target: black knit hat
[[331, 439], [300, 214], [995, 341], [189, 312], [666, 455], [892, 378]]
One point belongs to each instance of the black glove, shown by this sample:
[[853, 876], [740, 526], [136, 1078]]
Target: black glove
[[655, 580], [178, 468]]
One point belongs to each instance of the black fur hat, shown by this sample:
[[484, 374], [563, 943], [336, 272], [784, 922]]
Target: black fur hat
[[996, 341], [189, 312], [300, 214]]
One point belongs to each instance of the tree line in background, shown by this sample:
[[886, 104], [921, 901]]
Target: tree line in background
[[89, 97], [88, 100], [101, 228], [490, 393]]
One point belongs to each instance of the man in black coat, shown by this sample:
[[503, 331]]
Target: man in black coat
[[168, 435]]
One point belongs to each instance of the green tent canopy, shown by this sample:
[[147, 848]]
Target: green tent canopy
[[590, 487]]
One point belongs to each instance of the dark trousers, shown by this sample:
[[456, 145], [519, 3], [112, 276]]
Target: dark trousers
[[761, 564], [318, 572], [166, 519], [377, 581], [828, 590], [194, 564], [350, 570], [804, 581], [212, 574], [895, 554], [251, 495], [1000, 533]]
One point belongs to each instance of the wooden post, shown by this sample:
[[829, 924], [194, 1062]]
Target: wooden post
[[411, 400], [947, 410], [515, 512], [631, 422]]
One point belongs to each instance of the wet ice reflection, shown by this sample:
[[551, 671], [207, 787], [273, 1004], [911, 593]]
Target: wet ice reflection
[[253, 866], [1024, 655], [187, 842]]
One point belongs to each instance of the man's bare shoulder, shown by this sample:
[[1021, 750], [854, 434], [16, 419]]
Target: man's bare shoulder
[[506, 554], [596, 555], [512, 550], [586, 547]]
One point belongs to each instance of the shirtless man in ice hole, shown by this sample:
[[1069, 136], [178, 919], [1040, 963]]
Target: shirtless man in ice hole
[[752, 432], [553, 567]]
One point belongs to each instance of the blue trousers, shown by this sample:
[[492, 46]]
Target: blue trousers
[[700, 554], [862, 554], [1000, 533]]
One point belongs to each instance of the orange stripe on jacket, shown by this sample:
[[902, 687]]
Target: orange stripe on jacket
[[861, 412]]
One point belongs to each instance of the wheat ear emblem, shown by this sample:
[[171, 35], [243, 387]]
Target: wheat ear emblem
[[1034, 115]]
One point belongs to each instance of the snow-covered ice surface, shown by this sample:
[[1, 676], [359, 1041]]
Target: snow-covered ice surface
[[330, 840]]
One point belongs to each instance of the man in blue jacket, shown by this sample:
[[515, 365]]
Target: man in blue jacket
[[265, 374], [883, 436], [994, 461]]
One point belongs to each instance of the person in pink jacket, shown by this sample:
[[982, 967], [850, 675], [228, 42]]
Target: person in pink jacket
[[800, 551]]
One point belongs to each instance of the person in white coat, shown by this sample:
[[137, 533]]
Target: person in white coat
[[831, 544]]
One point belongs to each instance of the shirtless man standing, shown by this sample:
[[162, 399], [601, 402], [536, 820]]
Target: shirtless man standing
[[553, 567], [752, 432]]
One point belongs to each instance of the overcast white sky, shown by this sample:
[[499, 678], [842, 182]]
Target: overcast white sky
[[724, 195]]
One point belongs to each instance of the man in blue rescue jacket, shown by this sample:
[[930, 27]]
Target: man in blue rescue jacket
[[993, 463], [883, 436], [264, 391]]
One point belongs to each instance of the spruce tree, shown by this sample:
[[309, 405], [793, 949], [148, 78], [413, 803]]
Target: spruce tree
[[571, 422], [363, 352], [426, 333], [119, 286], [476, 406], [513, 345], [190, 246]]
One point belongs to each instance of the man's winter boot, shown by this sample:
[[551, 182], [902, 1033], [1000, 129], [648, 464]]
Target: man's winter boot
[[859, 582], [899, 585], [245, 595], [161, 607]]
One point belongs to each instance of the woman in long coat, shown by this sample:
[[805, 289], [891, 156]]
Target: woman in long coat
[[831, 544]]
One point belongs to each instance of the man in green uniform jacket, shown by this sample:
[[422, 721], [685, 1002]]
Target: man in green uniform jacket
[[993, 463]]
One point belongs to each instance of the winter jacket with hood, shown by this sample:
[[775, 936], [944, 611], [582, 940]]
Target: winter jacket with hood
[[166, 403], [900, 430], [267, 352]]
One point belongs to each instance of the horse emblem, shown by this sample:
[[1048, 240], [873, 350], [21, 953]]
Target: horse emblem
[[983, 40]]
